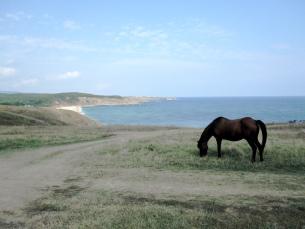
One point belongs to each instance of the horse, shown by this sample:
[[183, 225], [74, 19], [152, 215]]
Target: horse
[[234, 130]]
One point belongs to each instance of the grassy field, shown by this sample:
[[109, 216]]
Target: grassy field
[[145, 177], [28, 137], [29, 127], [38, 116]]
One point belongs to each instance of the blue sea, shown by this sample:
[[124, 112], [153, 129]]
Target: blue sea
[[198, 112]]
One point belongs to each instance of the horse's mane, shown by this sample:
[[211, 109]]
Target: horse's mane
[[206, 134]]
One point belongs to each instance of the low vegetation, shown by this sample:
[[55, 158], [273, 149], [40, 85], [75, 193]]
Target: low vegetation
[[26, 137], [25, 127], [136, 183], [36, 116], [46, 100], [121, 210], [283, 153]]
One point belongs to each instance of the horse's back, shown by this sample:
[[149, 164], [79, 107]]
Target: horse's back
[[247, 121], [234, 129], [226, 128], [249, 127]]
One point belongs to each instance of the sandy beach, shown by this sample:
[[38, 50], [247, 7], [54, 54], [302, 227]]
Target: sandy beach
[[77, 109]]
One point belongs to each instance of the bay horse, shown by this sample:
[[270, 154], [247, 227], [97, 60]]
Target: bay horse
[[234, 130]]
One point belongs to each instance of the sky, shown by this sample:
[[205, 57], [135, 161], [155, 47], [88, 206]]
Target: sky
[[153, 48]]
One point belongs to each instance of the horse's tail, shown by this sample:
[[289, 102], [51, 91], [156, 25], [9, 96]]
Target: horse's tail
[[264, 132]]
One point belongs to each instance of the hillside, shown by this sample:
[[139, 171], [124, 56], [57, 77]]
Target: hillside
[[66, 99], [33, 116]]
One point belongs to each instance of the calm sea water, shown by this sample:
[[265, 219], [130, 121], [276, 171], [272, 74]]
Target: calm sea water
[[197, 112]]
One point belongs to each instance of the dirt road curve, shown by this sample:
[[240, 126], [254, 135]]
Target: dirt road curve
[[25, 174]]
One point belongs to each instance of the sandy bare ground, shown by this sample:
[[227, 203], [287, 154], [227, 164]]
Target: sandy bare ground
[[26, 175]]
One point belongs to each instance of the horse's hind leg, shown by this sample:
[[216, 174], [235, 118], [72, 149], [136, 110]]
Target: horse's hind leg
[[219, 146], [254, 148], [259, 146]]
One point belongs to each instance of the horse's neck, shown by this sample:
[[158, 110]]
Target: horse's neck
[[206, 135]]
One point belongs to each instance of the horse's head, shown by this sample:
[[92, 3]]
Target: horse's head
[[203, 148]]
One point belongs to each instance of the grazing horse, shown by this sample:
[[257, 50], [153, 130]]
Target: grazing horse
[[234, 130]]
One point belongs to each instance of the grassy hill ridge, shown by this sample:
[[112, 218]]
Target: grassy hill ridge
[[46, 100], [38, 116]]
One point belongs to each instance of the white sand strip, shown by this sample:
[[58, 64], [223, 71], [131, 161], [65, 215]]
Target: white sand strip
[[77, 109]]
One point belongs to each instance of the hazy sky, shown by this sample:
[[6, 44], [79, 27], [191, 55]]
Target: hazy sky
[[158, 48]]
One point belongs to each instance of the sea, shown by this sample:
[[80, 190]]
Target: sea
[[198, 112]]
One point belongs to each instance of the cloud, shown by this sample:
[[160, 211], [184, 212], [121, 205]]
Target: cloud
[[31, 81], [281, 46], [8, 38], [135, 40], [55, 43], [191, 39], [27, 82], [69, 75], [41, 42], [140, 32], [6, 71], [17, 16], [71, 25]]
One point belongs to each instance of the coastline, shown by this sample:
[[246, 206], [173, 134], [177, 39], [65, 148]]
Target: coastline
[[77, 109], [91, 102]]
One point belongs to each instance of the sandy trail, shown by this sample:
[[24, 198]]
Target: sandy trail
[[25, 175]]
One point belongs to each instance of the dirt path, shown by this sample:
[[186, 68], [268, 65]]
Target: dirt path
[[25, 175]]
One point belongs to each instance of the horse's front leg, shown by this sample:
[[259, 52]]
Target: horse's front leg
[[219, 146]]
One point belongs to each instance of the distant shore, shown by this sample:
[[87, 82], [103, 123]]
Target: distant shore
[[77, 109], [90, 102]]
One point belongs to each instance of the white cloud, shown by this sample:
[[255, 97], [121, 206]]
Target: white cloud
[[6, 71], [31, 81], [157, 63], [190, 39], [281, 46], [8, 38], [139, 32], [40, 42], [71, 25], [69, 75], [55, 43], [17, 16], [141, 40], [27, 82]]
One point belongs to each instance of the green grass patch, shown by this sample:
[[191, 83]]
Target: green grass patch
[[181, 153], [117, 210], [20, 137], [40, 99]]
